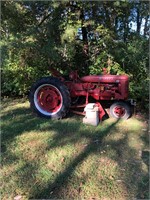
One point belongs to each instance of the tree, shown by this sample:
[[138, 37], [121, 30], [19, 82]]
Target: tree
[[41, 35]]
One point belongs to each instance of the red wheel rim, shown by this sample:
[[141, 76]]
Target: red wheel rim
[[48, 99], [119, 111]]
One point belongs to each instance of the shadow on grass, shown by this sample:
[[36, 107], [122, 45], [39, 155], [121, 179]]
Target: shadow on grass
[[136, 179], [125, 156], [21, 121], [63, 178], [143, 185], [16, 123]]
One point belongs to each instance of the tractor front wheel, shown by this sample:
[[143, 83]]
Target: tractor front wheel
[[120, 110], [49, 98]]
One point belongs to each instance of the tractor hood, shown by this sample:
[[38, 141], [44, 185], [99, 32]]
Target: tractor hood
[[105, 78]]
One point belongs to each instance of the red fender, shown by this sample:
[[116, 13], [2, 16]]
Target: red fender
[[101, 111]]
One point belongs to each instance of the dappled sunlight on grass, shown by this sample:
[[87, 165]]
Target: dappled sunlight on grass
[[67, 159], [12, 105]]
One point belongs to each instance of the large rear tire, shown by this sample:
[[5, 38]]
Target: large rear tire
[[50, 98], [120, 110]]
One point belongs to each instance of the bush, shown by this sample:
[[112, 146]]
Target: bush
[[17, 80]]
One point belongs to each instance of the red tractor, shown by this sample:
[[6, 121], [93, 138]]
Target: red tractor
[[54, 96]]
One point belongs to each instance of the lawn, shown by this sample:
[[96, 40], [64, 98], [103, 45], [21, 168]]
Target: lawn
[[66, 159]]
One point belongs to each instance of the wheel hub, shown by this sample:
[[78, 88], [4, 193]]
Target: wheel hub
[[119, 111], [49, 99]]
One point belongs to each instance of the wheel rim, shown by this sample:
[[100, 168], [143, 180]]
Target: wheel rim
[[119, 111], [48, 99]]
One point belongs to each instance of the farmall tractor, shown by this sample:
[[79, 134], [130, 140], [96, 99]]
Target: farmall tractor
[[54, 96]]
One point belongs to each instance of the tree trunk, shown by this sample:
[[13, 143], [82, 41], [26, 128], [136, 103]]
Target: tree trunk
[[138, 21], [125, 34], [107, 17], [145, 26]]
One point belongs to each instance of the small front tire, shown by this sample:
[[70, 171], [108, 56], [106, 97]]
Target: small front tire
[[120, 110]]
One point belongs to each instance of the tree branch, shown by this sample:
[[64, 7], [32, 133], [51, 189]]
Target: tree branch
[[44, 18]]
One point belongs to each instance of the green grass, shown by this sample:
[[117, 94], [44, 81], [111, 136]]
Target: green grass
[[66, 159]]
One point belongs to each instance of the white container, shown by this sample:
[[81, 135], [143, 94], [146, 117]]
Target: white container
[[91, 116]]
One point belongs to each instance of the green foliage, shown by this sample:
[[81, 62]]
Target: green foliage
[[140, 92], [17, 80], [133, 58], [42, 34], [99, 62]]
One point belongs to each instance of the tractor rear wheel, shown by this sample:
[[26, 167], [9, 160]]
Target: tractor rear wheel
[[49, 98], [120, 110]]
